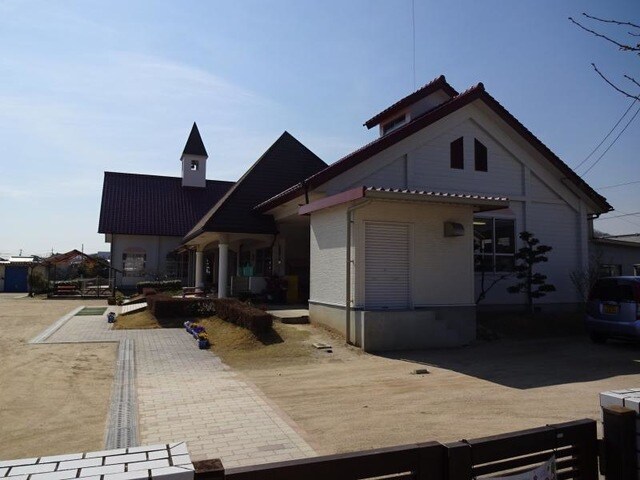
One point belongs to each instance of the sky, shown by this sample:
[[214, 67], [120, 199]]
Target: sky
[[92, 86]]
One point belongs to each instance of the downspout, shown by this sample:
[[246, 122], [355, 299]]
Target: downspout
[[347, 305]]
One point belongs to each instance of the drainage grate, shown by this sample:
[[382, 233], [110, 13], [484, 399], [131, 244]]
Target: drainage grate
[[122, 426], [91, 311]]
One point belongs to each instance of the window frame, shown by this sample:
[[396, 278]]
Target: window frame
[[130, 272], [494, 253], [195, 165], [394, 123]]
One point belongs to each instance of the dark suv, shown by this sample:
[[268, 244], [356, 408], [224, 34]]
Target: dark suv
[[613, 309]]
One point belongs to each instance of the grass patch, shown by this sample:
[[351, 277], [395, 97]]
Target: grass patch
[[135, 321], [91, 311], [241, 348]]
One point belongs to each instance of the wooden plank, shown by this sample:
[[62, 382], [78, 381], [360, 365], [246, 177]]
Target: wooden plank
[[619, 442]]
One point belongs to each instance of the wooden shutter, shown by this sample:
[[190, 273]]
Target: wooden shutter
[[387, 266], [457, 154]]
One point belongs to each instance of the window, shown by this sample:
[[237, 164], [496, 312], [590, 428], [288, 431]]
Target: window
[[494, 244], [133, 264], [610, 270], [195, 164], [457, 154], [480, 156], [393, 124], [263, 262]]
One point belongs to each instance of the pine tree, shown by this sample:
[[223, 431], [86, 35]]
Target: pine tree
[[534, 285]]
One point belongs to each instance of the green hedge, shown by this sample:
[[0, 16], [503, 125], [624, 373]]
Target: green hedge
[[163, 306], [160, 286], [243, 315]]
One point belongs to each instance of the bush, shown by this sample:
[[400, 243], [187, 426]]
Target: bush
[[243, 315], [149, 291], [163, 306], [160, 286]]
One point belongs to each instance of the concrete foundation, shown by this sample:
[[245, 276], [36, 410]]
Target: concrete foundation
[[387, 330]]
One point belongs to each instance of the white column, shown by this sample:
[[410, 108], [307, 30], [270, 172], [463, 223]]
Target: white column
[[223, 250], [199, 269]]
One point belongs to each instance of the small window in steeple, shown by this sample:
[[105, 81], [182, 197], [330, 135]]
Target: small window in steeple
[[195, 164]]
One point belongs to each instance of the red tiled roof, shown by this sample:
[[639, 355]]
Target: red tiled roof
[[476, 92], [434, 85]]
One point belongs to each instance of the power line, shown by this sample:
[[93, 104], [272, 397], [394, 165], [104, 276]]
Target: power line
[[612, 143], [618, 185], [619, 216], [607, 135]]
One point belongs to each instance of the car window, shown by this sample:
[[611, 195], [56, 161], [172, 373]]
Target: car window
[[611, 290]]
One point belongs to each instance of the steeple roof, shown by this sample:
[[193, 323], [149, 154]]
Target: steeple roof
[[194, 145]]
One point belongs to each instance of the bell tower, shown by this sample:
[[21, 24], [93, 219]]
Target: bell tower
[[194, 161]]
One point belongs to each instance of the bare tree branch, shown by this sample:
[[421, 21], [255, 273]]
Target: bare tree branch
[[637, 97], [632, 79], [616, 22], [621, 46]]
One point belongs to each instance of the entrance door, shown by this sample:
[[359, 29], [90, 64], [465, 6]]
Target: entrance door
[[15, 279], [387, 266]]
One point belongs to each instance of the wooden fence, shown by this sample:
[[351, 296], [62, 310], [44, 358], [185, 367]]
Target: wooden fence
[[574, 445]]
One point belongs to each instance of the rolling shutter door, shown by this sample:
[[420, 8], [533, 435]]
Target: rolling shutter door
[[387, 269]]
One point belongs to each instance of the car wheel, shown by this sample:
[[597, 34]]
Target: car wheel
[[598, 337]]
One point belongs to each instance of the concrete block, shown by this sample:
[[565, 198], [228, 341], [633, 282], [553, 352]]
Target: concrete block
[[65, 474], [20, 461], [632, 403], [179, 449], [85, 472], [85, 462], [148, 465], [105, 453], [3, 471], [29, 469], [147, 448], [61, 458], [19, 477], [142, 474], [172, 473], [609, 399], [132, 457], [158, 454], [95, 477], [181, 459]]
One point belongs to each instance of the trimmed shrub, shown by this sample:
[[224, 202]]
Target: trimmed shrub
[[149, 291], [160, 286], [163, 306], [243, 315]]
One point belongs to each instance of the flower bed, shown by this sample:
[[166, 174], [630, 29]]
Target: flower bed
[[243, 315]]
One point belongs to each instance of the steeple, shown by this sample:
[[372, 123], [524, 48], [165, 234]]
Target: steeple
[[194, 160]]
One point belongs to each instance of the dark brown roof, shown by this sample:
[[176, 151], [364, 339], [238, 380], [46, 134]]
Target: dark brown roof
[[152, 205], [285, 163], [474, 93], [433, 86], [194, 145]]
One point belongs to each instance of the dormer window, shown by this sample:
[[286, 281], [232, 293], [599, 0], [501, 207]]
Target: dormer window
[[393, 124], [195, 164]]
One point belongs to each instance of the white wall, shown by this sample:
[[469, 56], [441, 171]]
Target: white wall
[[442, 267], [155, 247], [541, 203]]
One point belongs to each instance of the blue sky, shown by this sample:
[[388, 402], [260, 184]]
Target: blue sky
[[89, 86]]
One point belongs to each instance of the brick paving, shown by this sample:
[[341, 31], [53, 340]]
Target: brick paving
[[189, 394]]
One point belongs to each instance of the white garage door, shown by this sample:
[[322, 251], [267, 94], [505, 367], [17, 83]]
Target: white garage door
[[387, 268]]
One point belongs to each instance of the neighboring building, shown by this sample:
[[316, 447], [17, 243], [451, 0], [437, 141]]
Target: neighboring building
[[14, 273], [617, 254], [390, 237]]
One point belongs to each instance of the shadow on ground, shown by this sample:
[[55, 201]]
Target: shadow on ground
[[525, 364]]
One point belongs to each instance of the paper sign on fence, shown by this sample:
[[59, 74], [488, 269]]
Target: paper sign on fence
[[546, 471]]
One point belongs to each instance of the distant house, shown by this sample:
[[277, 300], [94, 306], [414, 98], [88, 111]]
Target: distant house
[[14, 273], [617, 254], [386, 243]]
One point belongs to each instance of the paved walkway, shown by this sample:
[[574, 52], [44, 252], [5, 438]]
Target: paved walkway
[[188, 394]]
